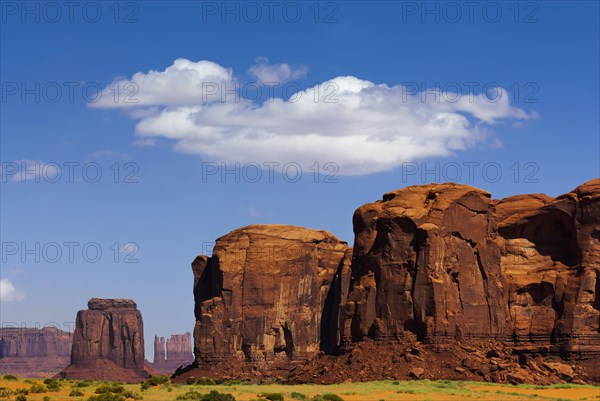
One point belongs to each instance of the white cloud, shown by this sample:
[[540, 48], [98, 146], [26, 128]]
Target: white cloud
[[9, 293], [30, 170], [361, 126], [182, 83], [276, 73]]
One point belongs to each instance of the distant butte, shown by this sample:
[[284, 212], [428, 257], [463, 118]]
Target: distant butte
[[108, 342], [178, 353]]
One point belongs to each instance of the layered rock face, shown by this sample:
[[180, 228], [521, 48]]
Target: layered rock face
[[34, 352], [178, 353], [426, 261], [108, 342], [551, 261], [261, 296], [440, 277]]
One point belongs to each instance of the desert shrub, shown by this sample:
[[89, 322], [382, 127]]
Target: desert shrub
[[83, 383], [10, 377], [327, 397], [233, 383], [53, 384], [206, 381], [110, 388], [21, 397], [132, 395], [5, 392], [299, 396], [46, 398], [107, 397], [38, 388], [212, 396], [76, 393], [216, 396], [272, 396], [154, 381], [190, 395], [22, 391]]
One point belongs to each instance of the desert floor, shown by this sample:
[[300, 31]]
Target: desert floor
[[372, 391]]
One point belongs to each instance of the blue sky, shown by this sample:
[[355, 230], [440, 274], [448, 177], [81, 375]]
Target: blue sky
[[390, 94]]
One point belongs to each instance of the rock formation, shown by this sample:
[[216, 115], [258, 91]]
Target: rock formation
[[108, 342], [260, 296], [442, 282], [426, 261], [551, 262], [178, 353], [179, 349], [160, 357], [34, 352]]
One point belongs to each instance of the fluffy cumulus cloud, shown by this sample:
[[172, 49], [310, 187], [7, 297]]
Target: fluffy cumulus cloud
[[361, 126], [276, 73], [9, 293]]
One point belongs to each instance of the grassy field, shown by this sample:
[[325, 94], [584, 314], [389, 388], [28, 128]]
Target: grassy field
[[61, 390]]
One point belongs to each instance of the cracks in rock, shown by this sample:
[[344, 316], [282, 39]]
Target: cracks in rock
[[471, 209], [467, 240], [482, 272], [417, 245], [485, 287], [455, 280]]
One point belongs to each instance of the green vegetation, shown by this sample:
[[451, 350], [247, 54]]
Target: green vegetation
[[216, 396], [10, 377], [76, 393], [212, 396], [107, 397], [154, 381], [327, 397], [271, 396], [110, 388], [160, 388], [53, 385], [190, 395], [206, 381], [82, 383]]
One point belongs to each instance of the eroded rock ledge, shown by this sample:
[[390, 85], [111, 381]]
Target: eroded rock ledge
[[439, 267]]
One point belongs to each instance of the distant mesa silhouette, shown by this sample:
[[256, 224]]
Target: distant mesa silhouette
[[34, 352]]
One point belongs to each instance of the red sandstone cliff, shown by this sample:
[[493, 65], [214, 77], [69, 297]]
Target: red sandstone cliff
[[441, 278], [108, 342]]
